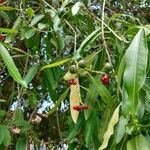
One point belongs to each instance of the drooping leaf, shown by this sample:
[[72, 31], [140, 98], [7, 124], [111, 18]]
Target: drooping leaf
[[87, 41], [75, 99], [13, 71], [138, 143], [110, 129], [135, 68]]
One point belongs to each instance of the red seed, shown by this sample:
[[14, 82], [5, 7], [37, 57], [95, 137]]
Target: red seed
[[78, 108], [2, 37], [105, 79], [1, 1], [72, 82], [84, 106]]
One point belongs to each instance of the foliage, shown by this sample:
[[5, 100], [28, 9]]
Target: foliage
[[41, 40]]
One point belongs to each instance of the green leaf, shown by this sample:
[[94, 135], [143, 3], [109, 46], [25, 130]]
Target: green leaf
[[7, 8], [61, 98], [89, 39], [21, 143], [90, 127], [75, 8], [13, 71], [7, 138], [30, 12], [29, 33], [2, 134], [75, 130], [2, 100], [16, 27], [41, 26], [136, 58], [60, 41], [31, 73], [120, 129], [102, 91], [36, 19], [8, 30], [138, 143], [55, 64]]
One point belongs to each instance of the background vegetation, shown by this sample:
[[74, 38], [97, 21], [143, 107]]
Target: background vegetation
[[42, 44]]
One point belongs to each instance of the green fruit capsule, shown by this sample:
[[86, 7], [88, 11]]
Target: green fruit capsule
[[73, 69], [108, 66], [82, 63]]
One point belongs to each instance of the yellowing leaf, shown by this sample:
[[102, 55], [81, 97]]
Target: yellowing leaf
[[69, 76], [75, 99], [110, 129], [55, 64]]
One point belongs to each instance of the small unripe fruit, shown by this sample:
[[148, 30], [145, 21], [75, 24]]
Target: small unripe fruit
[[108, 66], [73, 69], [105, 79], [82, 63]]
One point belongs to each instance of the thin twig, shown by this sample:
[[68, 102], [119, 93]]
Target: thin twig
[[58, 125], [75, 35], [36, 108], [103, 35]]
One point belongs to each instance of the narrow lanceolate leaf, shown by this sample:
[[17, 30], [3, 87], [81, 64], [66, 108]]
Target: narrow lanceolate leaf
[[13, 71], [75, 99], [61, 98], [55, 64], [87, 41], [7, 137], [36, 19], [15, 27], [138, 143], [21, 144], [7, 8], [7, 30], [136, 58], [110, 129], [102, 91], [2, 134], [31, 73]]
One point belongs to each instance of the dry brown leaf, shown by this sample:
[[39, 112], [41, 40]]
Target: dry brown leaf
[[75, 99]]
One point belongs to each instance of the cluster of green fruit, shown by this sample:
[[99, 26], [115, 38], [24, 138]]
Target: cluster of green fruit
[[105, 78]]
